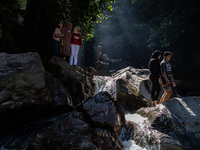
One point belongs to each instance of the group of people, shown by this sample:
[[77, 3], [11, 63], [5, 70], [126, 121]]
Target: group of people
[[161, 73], [67, 43]]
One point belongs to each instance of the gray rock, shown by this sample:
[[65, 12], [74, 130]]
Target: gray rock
[[130, 86], [68, 131], [78, 81], [103, 111], [172, 125], [24, 82], [102, 68], [27, 90], [21, 77]]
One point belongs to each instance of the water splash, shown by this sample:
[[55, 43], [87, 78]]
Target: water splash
[[131, 145], [105, 83], [143, 126]]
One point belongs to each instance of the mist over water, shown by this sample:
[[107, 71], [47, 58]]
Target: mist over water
[[122, 37]]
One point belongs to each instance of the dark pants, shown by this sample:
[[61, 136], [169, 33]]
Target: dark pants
[[155, 89], [56, 48]]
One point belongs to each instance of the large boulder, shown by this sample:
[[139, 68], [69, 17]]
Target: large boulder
[[102, 68], [103, 111], [24, 82], [75, 79], [21, 77], [25, 87], [174, 124], [93, 126], [133, 88], [130, 86]]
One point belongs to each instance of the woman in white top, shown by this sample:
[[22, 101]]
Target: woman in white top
[[56, 38]]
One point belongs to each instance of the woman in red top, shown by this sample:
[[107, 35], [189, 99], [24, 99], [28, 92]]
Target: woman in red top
[[76, 44]]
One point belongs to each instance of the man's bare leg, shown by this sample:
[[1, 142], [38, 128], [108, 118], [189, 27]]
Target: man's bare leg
[[166, 95], [154, 103]]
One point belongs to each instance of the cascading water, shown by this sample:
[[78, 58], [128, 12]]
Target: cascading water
[[105, 83], [108, 83], [143, 127]]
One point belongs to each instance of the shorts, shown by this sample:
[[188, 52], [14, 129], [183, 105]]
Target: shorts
[[166, 87]]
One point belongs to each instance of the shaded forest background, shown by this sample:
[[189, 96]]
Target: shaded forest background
[[132, 31]]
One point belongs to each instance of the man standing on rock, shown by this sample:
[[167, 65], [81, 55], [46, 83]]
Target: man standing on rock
[[167, 77]]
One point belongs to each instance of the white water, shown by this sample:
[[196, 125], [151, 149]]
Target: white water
[[105, 83], [138, 119], [130, 145], [141, 121], [143, 124]]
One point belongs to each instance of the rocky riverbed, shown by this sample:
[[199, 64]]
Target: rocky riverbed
[[66, 107]]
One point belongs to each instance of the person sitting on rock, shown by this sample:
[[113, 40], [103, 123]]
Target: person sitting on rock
[[106, 59], [155, 76], [167, 77]]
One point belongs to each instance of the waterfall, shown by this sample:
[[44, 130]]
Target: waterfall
[[105, 83], [143, 126], [108, 83]]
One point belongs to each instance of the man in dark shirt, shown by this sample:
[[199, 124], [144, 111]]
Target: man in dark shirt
[[167, 77]]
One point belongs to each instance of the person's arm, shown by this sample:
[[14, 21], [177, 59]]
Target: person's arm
[[165, 77], [174, 84], [58, 35], [164, 68]]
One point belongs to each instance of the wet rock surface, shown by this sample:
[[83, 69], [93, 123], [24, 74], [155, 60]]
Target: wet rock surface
[[129, 86], [102, 68], [66, 107], [73, 130], [27, 90], [78, 81], [103, 111], [24, 82], [38, 109], [171, 125], [133, 88]]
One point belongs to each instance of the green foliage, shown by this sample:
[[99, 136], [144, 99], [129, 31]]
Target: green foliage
[[170, 20], [41, 18], [136, 28], [122, 35], [174, 26], [83, 13]]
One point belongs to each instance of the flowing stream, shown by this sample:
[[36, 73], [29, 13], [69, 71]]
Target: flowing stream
[[107, 83], [103, 83]]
